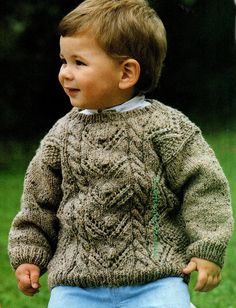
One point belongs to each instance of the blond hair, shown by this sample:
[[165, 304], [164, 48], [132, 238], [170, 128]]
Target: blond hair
[[123, 29]]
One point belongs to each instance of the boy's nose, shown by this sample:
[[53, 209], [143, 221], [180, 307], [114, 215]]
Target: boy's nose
[[66, 73]]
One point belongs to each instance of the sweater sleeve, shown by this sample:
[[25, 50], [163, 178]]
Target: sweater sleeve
[[196, 176], [33, 234]]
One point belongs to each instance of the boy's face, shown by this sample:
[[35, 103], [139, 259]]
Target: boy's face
[[88, 75]]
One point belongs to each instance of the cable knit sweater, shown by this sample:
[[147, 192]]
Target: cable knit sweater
[[117, 199]]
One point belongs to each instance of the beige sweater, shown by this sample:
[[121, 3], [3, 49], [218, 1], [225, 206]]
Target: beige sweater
[[116, 199]]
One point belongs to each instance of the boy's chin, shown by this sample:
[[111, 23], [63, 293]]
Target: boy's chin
[[75, 103], [82, 105]]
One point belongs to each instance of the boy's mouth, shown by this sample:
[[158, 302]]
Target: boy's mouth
[[71, 91]]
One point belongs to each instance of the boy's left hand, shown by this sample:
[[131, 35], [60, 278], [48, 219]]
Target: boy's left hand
[[209, 275]]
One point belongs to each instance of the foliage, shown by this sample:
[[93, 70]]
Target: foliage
[[188, 2], [199, 74]]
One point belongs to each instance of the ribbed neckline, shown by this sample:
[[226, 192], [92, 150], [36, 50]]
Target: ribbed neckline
[[115, 116]]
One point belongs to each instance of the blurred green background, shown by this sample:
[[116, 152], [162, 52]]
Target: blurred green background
[[198, 78]]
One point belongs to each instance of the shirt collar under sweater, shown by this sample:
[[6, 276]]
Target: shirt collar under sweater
[[137, 102]]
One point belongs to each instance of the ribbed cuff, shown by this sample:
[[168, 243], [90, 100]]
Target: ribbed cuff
[[31, 255], [214, 253]]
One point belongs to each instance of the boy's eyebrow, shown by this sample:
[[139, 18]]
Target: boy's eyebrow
[[73, 56]]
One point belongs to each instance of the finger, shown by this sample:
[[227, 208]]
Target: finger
[[212, 283], [191, 267], [27, 289], [201, 281], [24, 281], [216, 281], [219, 277], [30, 292], [34, 278], [209, 284]]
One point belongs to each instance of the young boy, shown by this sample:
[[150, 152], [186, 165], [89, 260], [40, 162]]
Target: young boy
[[124, 198]]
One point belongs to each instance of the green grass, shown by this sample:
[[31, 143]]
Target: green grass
[[14, 158]]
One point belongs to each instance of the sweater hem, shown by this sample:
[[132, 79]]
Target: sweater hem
[[113, 279]]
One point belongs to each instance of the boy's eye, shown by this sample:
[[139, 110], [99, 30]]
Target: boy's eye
[[63, 61], [78, 62]]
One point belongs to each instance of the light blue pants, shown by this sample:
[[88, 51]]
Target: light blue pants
[[163, 293]]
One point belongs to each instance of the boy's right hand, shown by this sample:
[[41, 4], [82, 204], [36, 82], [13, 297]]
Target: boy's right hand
[[27, 276]]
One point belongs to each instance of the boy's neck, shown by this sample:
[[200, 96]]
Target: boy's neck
[[125, 96]]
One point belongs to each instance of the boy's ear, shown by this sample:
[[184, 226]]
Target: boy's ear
[[130, 73]]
